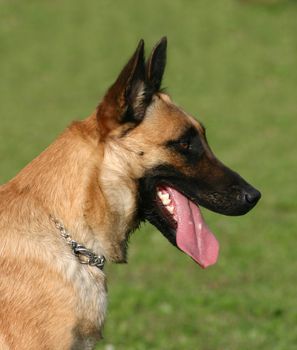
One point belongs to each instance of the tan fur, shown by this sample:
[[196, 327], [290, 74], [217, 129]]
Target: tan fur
[[56, 183], [90, 185], [87, 179]]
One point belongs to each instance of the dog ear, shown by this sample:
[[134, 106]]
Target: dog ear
[[156, 65], [126, 100]]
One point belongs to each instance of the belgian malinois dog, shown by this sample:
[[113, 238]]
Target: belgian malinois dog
[[137, 157]]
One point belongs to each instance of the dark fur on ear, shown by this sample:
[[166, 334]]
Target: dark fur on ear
[[125, 99], [155, 66]]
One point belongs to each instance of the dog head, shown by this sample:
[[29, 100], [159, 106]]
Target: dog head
[[158, 165]]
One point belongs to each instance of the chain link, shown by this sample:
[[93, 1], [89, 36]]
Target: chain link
[[84, 255]]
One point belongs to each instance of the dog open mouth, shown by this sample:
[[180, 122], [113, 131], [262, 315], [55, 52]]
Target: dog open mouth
[[192, 234]]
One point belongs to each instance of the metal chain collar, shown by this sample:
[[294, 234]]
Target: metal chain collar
[[84, 255]]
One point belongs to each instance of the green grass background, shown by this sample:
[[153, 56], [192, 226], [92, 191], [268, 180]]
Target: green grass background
[[233, 65]]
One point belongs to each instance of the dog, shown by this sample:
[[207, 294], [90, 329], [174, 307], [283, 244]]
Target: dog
[[137, 157]]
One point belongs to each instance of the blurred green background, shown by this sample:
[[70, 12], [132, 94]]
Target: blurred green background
[[233, 65]]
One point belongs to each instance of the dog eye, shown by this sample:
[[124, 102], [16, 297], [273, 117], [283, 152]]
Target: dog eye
[[186, 145]]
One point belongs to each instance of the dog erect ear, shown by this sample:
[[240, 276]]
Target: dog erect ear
[[127, 99], [156, 65]]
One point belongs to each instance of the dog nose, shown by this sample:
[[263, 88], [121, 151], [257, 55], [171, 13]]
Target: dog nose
[[253, 196]]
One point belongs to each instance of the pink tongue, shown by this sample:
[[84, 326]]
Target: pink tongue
[[193, 236]]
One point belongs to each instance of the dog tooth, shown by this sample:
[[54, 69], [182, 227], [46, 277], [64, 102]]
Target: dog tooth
[[165, 195], [165, 198], [161, 197], [166, 201], [170, 208]]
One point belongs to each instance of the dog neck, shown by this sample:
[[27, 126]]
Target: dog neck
[[64, 181], [84, 255]]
